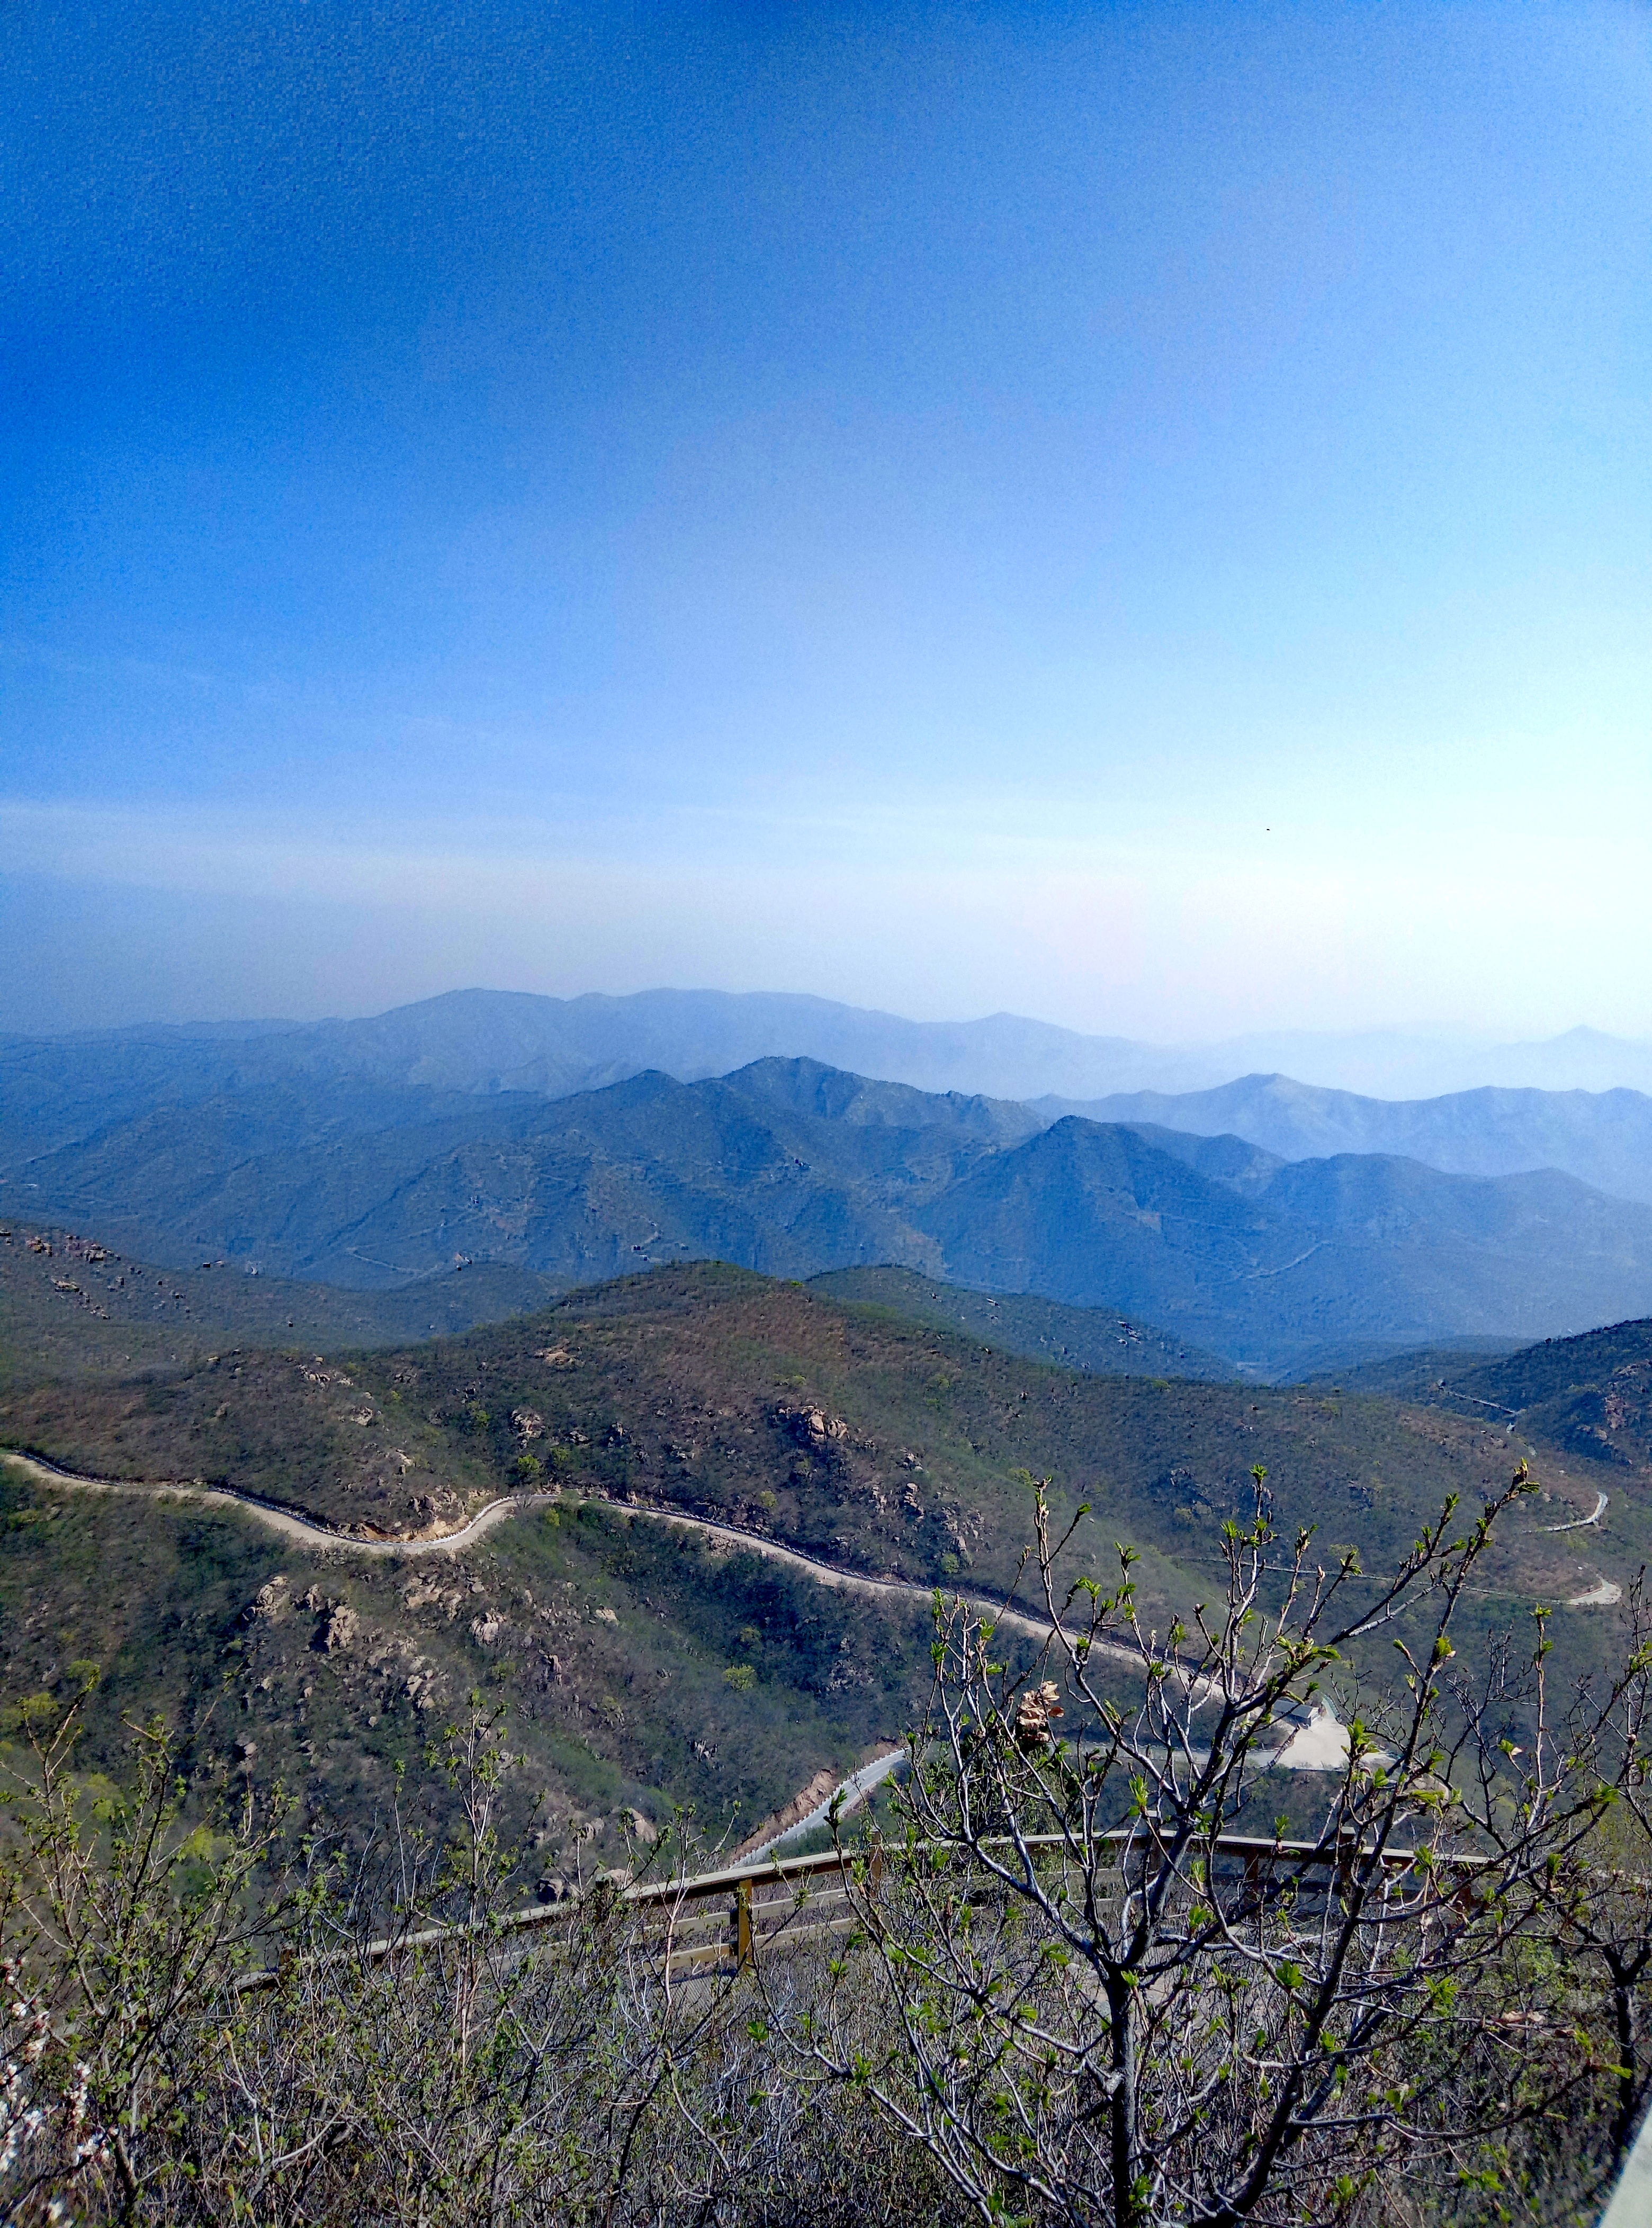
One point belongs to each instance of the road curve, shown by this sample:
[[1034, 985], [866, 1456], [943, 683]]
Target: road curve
[[289, 1522], [1584, 1522], [850, 1793]]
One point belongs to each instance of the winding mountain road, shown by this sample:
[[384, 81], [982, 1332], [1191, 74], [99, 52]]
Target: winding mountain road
[[1584, 1522], [310, 1532], [1317, 1743]]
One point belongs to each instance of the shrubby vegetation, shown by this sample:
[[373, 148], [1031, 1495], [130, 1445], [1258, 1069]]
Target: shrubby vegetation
[[1064, 1994]]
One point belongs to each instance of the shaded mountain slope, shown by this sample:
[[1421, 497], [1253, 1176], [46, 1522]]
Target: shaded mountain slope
[[1603, 1138], [1589, 1398], [788, 1167], [1270, 1262], [793, 1169]]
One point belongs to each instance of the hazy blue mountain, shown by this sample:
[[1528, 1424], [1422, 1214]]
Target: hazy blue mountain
[[1581, 1059], [750, 1170], [1603, 1138], [55, 1091], [1275, 1264], [805, 1087], [795, 1169], [1391, 1064]]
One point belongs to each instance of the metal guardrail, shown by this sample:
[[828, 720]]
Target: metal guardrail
[[753, 1903]]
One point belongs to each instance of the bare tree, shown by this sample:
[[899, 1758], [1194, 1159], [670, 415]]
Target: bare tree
[[1107, 2010], [1600, 1897], [199, 2026]]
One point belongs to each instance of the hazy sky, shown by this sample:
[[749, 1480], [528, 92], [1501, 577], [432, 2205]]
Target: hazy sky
[[1140, 515]]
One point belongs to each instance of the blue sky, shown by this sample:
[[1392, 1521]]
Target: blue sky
[[1140, 515]]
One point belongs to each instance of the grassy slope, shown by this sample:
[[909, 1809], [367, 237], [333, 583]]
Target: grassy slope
[[637, 1712], [695, 1387]]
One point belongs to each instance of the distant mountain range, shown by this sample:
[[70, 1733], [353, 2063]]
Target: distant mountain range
[[1603, 1138], [794, 1167], [488, 1040]]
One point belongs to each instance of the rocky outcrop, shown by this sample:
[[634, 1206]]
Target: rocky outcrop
[[340, 1630], [810, 1427], [269, 1601]]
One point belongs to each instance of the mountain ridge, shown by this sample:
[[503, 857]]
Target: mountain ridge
[[485, 1040], [1603, 1138], [793, 1169]]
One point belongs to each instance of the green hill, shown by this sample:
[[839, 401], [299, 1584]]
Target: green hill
[[607, 1639], [1589, 1398], [880, 1444], [1099, 1340]]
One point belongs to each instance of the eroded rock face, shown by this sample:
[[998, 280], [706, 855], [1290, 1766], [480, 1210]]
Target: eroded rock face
[[340, 1630], [272, 1600], [642, 1829]]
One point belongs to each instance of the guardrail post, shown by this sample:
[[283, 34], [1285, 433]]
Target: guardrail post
[[743, 1925]]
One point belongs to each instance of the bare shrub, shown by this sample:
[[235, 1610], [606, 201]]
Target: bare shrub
[[1068, 1992], [1106, 2007]]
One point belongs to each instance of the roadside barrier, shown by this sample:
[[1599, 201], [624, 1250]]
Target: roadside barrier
[[718, 1922]]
